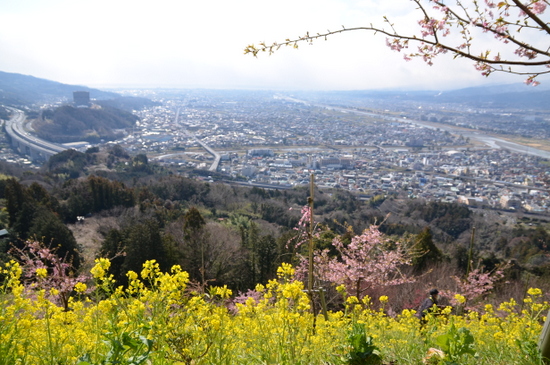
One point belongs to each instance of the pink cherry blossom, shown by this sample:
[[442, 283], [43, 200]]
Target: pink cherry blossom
[[369, 261], [61, 274]]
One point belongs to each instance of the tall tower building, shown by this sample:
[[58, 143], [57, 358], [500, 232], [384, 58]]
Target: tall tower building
[[81, 98]]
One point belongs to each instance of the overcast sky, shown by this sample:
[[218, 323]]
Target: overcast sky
[[200, 43]]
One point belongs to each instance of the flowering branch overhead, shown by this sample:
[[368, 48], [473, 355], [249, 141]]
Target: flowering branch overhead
[[519, 27]]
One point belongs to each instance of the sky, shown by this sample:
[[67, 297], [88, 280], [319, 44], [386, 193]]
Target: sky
[[200, 44]]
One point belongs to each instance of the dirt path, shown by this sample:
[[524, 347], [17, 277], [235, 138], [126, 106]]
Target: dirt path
[[88, 237]]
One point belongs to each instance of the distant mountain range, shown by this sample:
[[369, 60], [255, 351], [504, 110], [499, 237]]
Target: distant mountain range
[[19, 90], [513, 96]]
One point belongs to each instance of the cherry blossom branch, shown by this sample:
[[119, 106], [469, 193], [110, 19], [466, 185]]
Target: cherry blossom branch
[[493, 18], [532, 15], [45, 269], [309, 38]]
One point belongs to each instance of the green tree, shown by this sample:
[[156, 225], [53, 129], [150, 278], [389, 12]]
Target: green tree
[[33, 212], [143, 242], [267, 258], [194, 240], [140, 163], [113, 248], [24, 220], [426, 252], [250, 236], [106, 194], [15, 197], [48, 228]]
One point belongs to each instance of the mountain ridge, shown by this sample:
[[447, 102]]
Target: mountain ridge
[[18, 89], [23, 90]]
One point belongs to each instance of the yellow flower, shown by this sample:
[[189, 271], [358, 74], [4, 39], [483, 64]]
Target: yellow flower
[[460, 299], [101, 267], [534, 291], [366, 300], [41, 272], [383, 298], [150, 269], [223, 292], [341, 289], [285, 271], [80, 287], [507, 306], [132, 275], [408, 313]]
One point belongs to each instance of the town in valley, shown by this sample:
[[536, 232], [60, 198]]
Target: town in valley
[[370, 146]]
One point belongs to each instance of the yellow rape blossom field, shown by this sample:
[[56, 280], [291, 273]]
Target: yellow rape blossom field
[[157, 319]]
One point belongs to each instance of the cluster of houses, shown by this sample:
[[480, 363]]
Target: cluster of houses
[[282, 143]]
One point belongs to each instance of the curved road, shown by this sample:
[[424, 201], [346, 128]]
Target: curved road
[[216, 155], [16, 131]]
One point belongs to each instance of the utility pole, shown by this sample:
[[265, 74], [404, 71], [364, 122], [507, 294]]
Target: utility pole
[[469, 267], [310, 287], [310, 235]]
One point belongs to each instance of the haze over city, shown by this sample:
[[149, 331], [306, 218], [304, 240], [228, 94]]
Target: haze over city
[[200, 45]]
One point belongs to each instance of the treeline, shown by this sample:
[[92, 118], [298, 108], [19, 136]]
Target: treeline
[[237, 252], [32, 213], [154, 219], [71, 164], [239, 235], [68, 124]]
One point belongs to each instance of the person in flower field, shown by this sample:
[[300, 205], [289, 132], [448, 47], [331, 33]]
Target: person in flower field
[[428, 303]]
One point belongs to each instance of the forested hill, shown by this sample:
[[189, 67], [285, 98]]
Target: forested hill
[[152, 212], [69, 124], [17, 90]]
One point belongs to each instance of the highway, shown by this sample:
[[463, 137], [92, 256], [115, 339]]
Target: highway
[[18, 134]]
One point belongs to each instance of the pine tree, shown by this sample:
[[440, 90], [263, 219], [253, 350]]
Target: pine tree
[[427, 252]]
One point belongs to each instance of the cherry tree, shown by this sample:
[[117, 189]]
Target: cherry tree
[[459, 27], [369, 261], [475, 285], [44, 269]]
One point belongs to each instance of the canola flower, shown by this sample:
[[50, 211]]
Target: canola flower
[[41, 272], [157, 320]]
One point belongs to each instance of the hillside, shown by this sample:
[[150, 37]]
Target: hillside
[[68, 124], [18, 90], [241, 223]]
